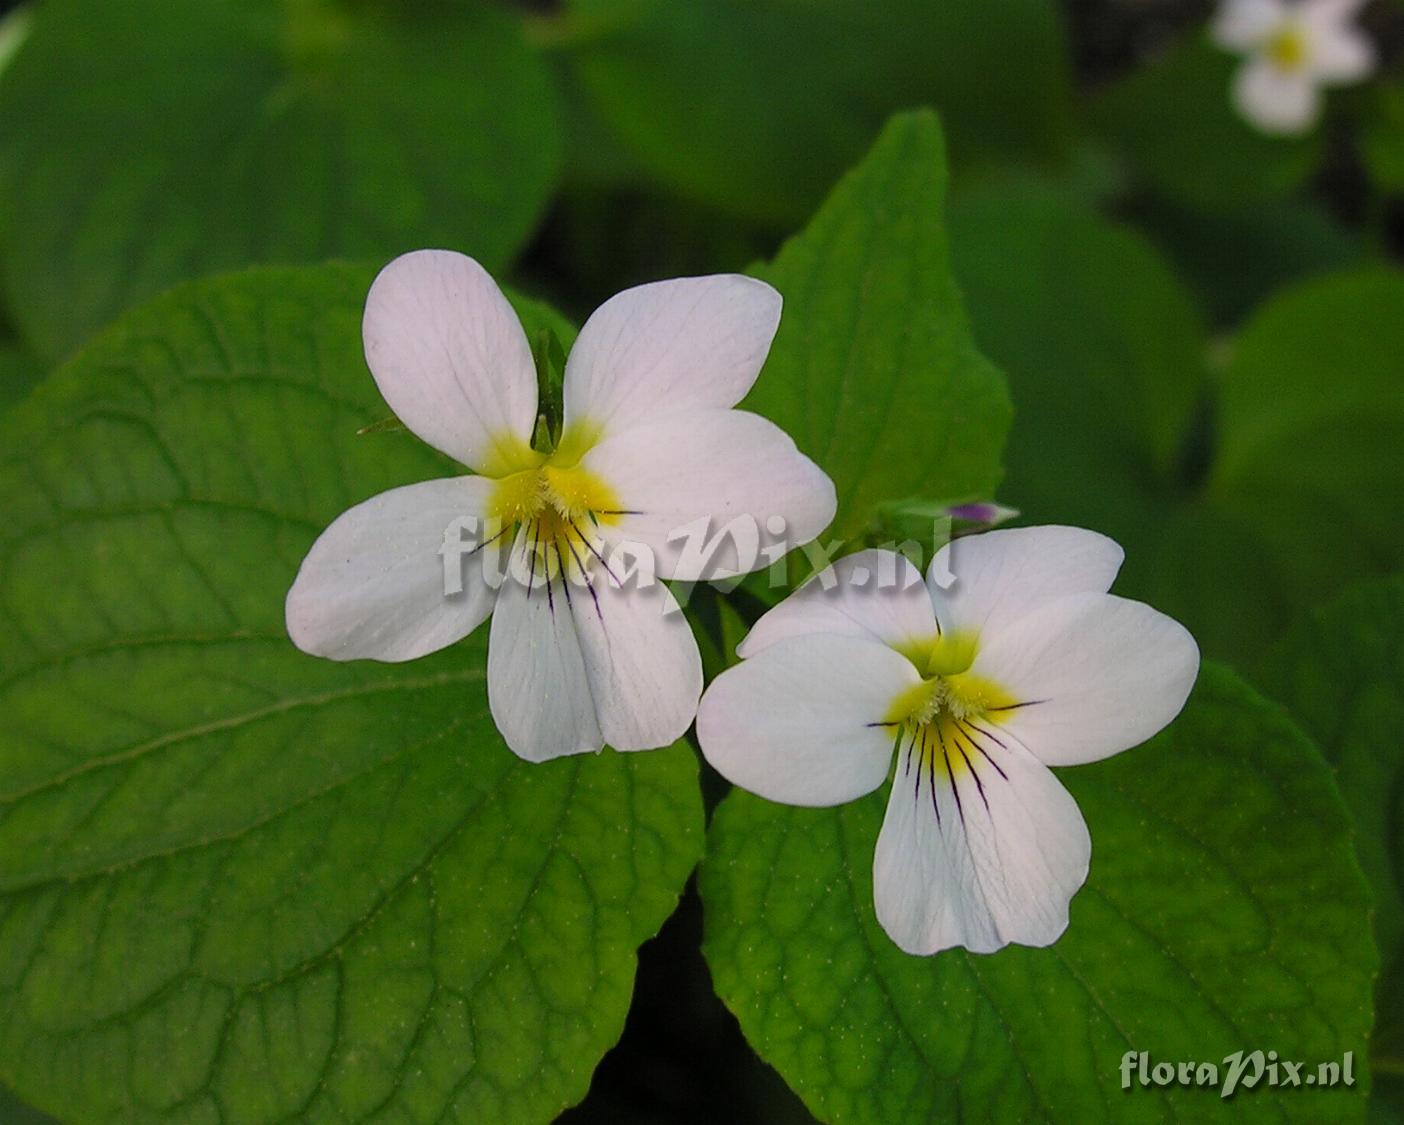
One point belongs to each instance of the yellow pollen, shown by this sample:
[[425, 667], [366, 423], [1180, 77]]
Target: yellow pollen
[[573, 494], [948, 691], [580, 494], [558, 502], [518, 497], [1287, 49], [949, 749]]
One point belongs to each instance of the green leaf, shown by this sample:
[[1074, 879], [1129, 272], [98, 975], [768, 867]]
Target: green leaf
[[1181, 133], [1210, 484], [18, 372], [1340, 671], [1387, 1097], [1383, 141], [15, 1112], [1311, 416], [874, 372], [774, 102], [240, 883], [1234, 258], [1225, 911], [152, 141], [1105, 355]]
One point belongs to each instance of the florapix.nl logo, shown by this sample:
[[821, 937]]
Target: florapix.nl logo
[[723, 553], [1241, 1070]]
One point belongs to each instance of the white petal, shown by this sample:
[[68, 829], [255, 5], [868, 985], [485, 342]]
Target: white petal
[[640, 656], [1329, 13], [1091, 674], [685, 344], [1243, 25], [577, 660], [1274, 100], [981, 582], [726, 475], [1341, 54], [874, 595], [450, 357], [377, 585], [538, 687], [979, 853], [801, 722]]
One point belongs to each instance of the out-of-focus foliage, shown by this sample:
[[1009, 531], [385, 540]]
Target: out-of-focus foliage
[[1235, 257], [874, 372], [756, 106], [1173, 123], [1384, 138], [15, 1112], [155, 140], [1238, 496], [238, 882], [18, 372], [1309, 420], [1190, 939]]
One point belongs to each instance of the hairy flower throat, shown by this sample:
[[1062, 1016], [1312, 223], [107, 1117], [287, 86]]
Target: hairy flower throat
[[943, 723], [948, 689], [559, 503]]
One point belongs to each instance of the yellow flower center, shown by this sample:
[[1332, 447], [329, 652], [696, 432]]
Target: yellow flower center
[[1287, 49], [946, 736], [950, 696], [559, 502]]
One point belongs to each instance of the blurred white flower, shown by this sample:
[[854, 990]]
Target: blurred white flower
[[579, 656], [1293, 48], [1026, 662]]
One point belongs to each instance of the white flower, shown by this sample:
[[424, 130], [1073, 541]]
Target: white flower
[[1293, 48], [1025, 662], [579, 655]]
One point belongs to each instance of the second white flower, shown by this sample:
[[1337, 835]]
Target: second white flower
[[1025, 662]]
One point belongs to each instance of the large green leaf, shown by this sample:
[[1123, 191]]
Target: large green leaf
[[1225, 911], [1096, 305], [756, 106], [1340, 671], [1174, 120], [1210, 484], [1105, 354], [874, 372], [240, 883], [1311, 414], [155, 140]]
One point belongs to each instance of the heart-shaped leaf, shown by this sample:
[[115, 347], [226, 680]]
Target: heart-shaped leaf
[[1224, 912], [240, 883], [874, 371]]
